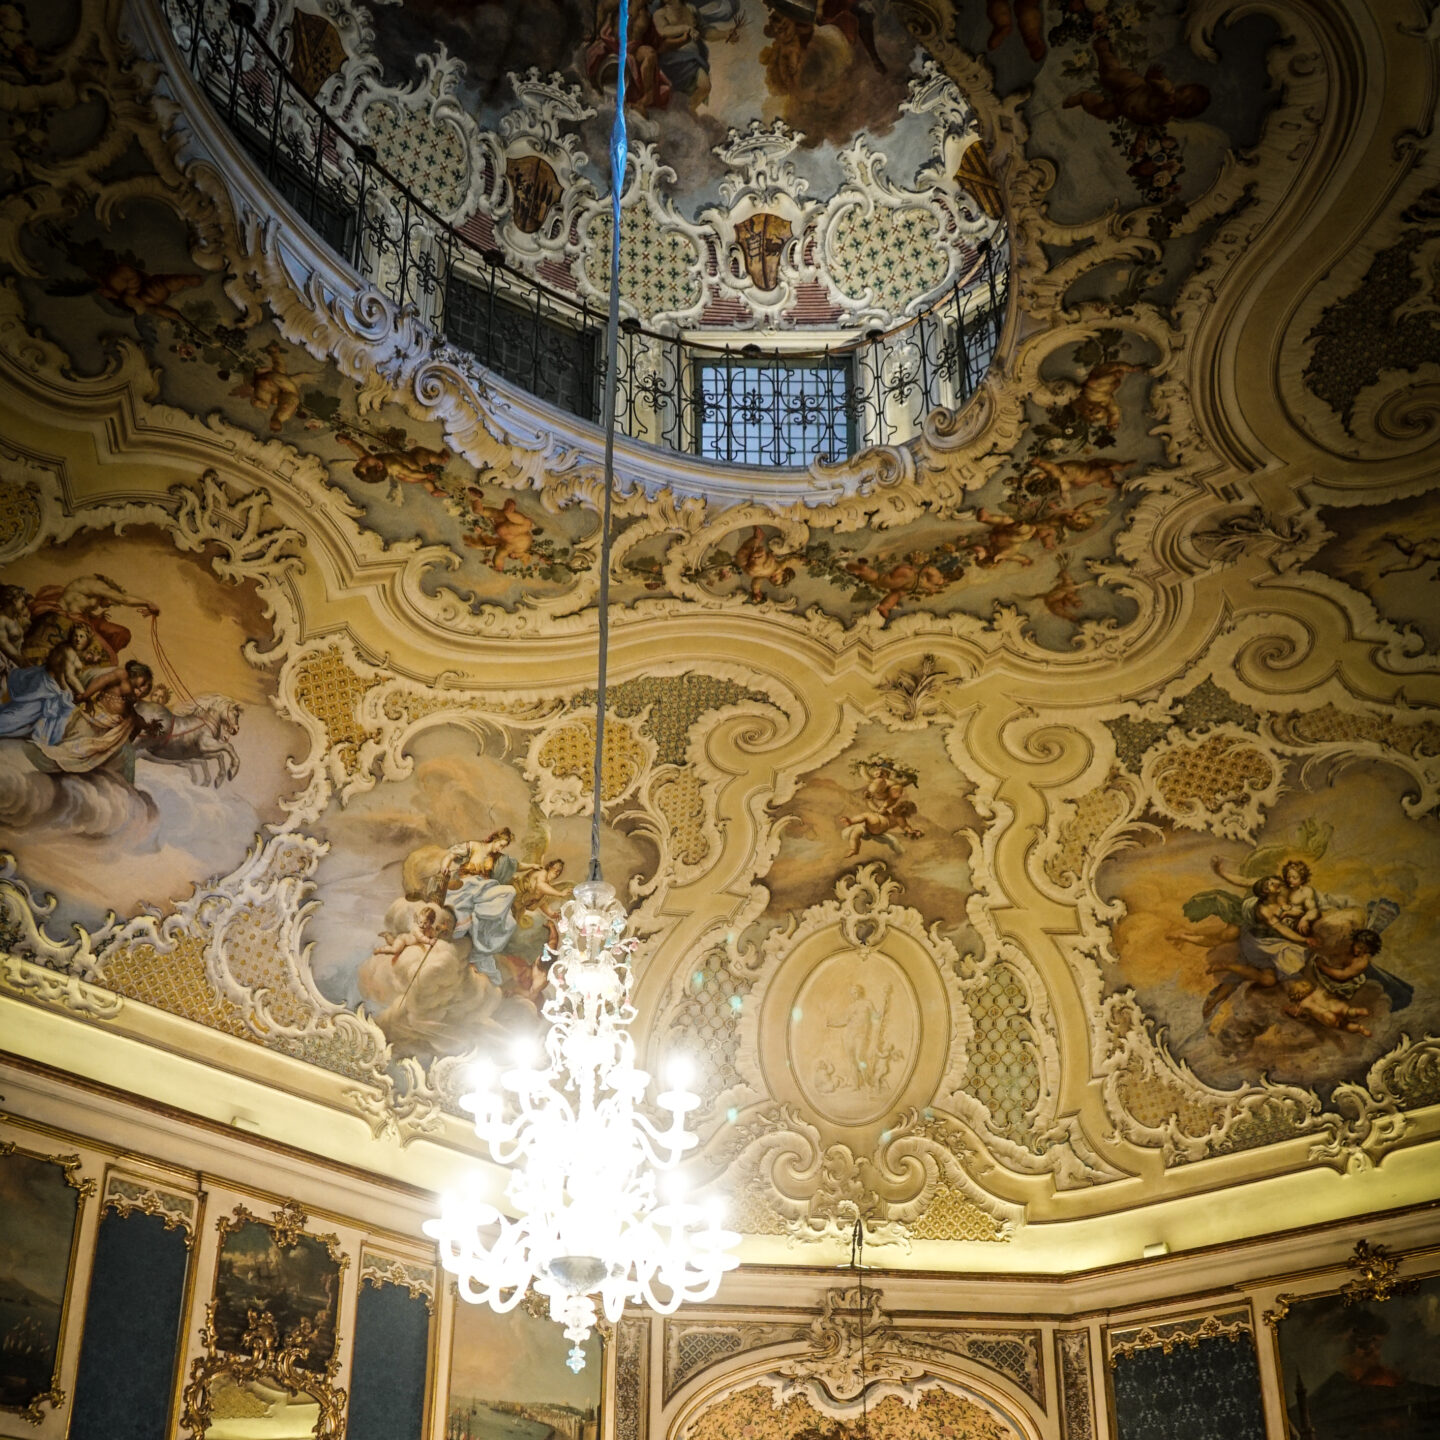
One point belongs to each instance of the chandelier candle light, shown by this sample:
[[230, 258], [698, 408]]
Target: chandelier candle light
[[585, 1163]]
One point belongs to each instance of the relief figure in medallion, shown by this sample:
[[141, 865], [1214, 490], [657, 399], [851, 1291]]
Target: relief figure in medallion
[[864, 1059]]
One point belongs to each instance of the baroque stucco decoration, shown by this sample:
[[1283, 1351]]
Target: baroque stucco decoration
[[1124, 616], [780, 1372]]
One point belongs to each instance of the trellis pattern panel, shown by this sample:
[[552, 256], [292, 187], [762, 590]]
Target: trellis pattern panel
[[1208, 1391]]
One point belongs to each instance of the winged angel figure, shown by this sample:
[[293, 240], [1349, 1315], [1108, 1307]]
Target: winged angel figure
[[1285, 948], [466, 949]]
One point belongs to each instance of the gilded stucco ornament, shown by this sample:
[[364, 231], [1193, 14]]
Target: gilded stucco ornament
[[417, 1280], [1087, 750], [851, 1042], [125, 1194], [833, 1359], [265, 1359], [1377, 1280], [1171, 1334]]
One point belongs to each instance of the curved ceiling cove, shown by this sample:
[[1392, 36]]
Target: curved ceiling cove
[[792, 164], [1029, 826]]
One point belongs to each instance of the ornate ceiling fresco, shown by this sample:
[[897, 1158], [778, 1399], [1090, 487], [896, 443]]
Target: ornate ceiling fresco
[[790, 168], [1022, 825]]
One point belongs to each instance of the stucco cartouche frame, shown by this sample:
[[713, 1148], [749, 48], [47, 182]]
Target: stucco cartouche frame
[[371, 603]]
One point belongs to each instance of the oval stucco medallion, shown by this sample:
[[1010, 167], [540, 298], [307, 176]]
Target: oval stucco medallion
[[853, 1037]]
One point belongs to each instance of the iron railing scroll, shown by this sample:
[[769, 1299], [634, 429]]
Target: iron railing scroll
[[736, 402]]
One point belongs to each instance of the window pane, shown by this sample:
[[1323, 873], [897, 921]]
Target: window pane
[[550, 360], [768, 412]]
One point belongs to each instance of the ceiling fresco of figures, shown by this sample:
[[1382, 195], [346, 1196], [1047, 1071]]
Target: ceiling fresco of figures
[[795, 164], [1014, 822]]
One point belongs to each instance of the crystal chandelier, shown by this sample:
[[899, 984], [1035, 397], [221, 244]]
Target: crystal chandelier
[[584, 1160]]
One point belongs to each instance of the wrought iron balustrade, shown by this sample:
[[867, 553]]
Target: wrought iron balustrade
[[739, 402]]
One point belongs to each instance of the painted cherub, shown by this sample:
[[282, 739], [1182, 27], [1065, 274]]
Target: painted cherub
[[1027, 15], [1291, 901], [1004, 536], [1302, 905], [884, 808], [416, 465], [912, 575], [122, 282], [1063, 598], [540, 890], [511, 535], [1309, 1001], [1419, 551], [1147, 100], [1053, 523], [1069, 475], [14, 621], [428, 923], [759, 561], [271, 387], [1096, 403]]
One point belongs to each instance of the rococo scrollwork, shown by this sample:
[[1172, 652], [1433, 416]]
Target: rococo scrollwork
[[264, 1360], [1007, 813]]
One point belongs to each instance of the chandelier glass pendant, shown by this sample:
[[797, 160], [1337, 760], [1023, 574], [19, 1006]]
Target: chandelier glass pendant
[[585, 1162]]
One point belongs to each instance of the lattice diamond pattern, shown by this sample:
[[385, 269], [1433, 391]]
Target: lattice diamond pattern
[[331, 691], [894, 252], [1210, 774], [950, 1215], [1003, 1074], [1095, 812], [175, 982], [571, 751], [706, 1017], [681, 800], [431, 158], [659, 267]]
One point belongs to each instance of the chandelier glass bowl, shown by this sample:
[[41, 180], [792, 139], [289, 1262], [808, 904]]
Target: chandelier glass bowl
[[586, 1162]]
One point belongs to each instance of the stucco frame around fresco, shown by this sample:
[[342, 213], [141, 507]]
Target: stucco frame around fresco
[[1200, 671]]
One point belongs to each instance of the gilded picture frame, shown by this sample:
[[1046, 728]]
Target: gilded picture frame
[[515, 1363], [37, 1350], [1361, 1356], [267, 1328]]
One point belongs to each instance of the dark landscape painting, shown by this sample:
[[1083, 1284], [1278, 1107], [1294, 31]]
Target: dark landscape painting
[[255, 1275], [38, 1211], [1351, 1372]]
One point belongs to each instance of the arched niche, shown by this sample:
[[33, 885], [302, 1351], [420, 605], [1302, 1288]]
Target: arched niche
[[794, 1394]]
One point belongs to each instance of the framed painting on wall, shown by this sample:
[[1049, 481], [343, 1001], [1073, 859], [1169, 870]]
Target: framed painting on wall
[[41, 1200], [509, 1379], [1353, 1365], [271, 1347], [292, 1277]]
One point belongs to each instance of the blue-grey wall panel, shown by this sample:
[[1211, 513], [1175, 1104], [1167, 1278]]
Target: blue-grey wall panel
[[132, 1329], [387, 1377], [1211, 1392]]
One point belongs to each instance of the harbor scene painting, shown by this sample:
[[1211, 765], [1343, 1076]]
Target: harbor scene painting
[[509, 1379]]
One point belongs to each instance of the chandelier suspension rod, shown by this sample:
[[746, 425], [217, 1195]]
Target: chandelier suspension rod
[[857, 1261], [619, 149], [592, 1231]]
